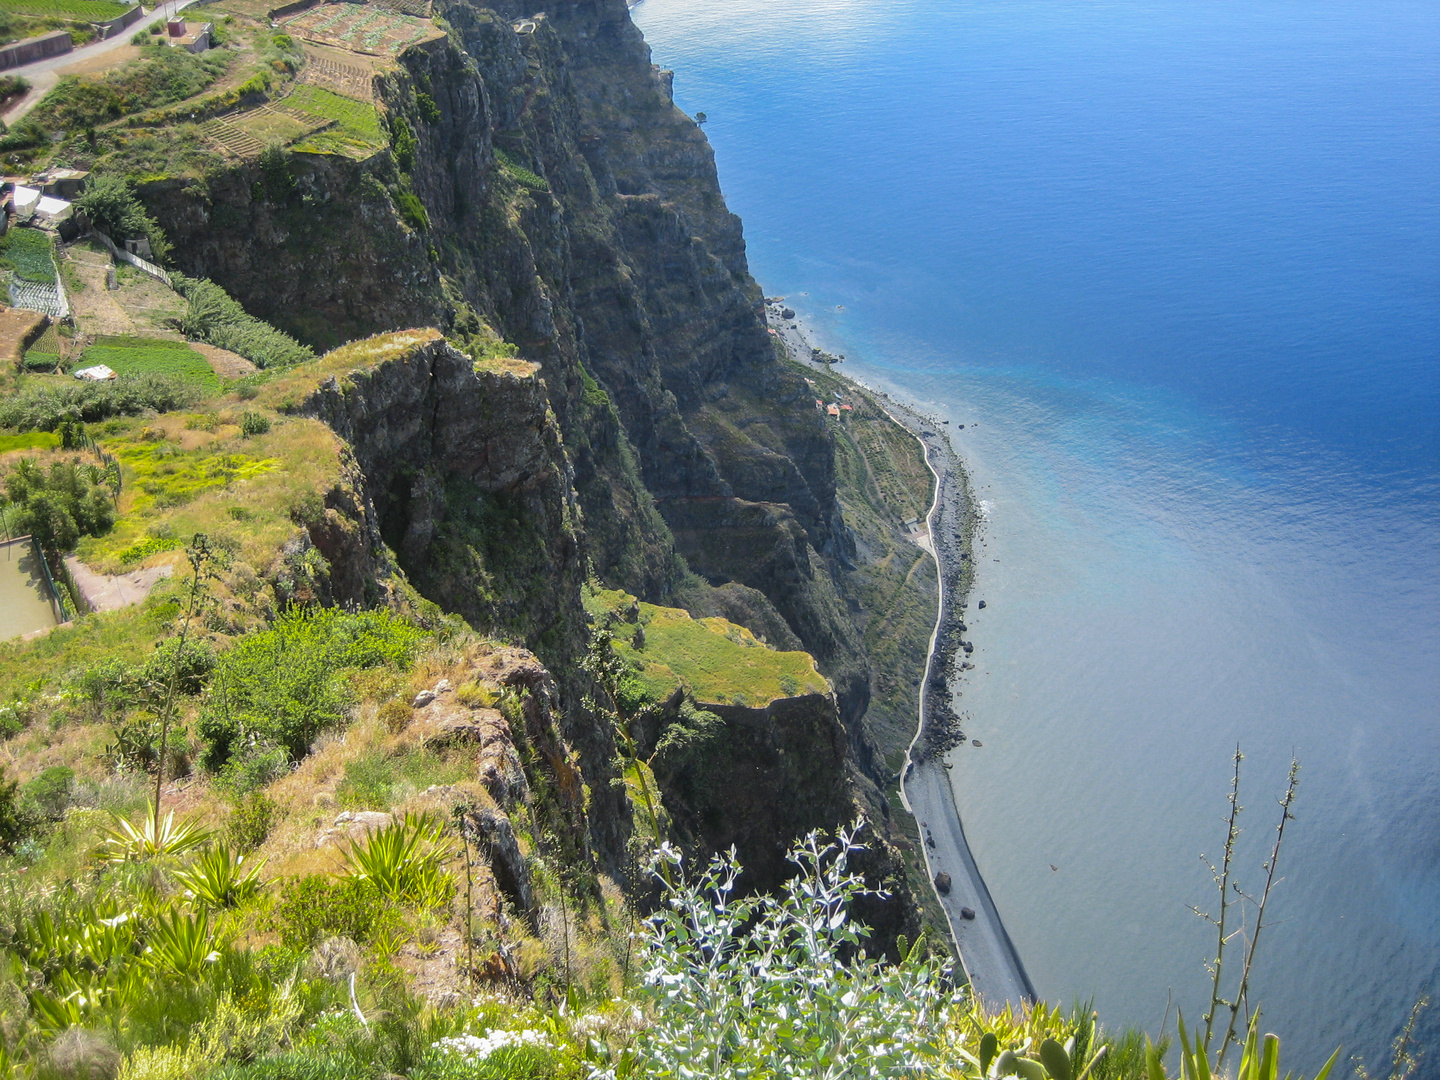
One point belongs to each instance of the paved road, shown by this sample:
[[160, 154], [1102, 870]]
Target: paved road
[[44, 74], [996, 973]]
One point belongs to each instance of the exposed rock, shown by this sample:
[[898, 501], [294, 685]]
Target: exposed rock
[[942, 883], [423, 698], [496, 839]]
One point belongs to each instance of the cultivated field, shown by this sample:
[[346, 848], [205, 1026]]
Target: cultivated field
[[80, 10], [360, 28], [138, 356]]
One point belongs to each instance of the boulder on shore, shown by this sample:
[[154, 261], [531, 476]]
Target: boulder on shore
[[942, 883]]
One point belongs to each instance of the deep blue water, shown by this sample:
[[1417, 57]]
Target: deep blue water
[[1176, 264]]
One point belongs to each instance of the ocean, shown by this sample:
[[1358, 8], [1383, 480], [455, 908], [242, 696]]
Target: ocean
[[1175, 264]]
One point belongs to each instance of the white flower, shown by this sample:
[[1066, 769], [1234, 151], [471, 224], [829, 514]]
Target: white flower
[[476, 1048]]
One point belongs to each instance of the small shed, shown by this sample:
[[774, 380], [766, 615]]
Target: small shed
[[98, 373], [833, 410]]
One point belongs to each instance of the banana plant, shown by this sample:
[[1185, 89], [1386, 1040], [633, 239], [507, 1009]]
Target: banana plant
[[1260, 1059], [126, 841], [219, 879]]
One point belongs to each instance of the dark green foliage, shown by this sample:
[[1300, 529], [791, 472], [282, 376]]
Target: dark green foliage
[[429, 111], [689, 740], [412, 210], [12, 819], [46, 797], [275, 183], [44, 407], [59, 506], [28, 253], [25, 135], [254, 423], [318, 906], [110, 202], [285, 684], [212, 316], [403, 143], [35, 360]]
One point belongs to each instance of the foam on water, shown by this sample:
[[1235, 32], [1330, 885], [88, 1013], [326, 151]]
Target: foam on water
[[1175, 264]]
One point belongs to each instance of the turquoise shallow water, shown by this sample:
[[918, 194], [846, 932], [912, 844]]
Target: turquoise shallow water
[[1176, 265]]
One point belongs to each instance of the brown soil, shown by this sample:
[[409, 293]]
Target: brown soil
[[18, 328], [227, 365]]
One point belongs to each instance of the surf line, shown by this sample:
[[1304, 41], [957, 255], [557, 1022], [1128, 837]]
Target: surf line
[[990, 960]]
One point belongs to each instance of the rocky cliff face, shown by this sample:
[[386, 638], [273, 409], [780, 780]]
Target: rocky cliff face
[[576, 212]]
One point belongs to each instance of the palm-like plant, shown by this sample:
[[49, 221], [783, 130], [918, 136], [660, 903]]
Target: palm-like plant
[[151, 838], [403, 860], [219, 878], [181, 944]]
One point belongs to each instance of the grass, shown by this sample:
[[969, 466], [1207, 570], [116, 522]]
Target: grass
[[719, 661], [83, 10], [363, 355], [29, 440], [161, 76], [29, 253], [357, 131], [239, 491], [128, 356]]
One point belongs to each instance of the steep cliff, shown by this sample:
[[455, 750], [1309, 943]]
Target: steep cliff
[[649, 435]]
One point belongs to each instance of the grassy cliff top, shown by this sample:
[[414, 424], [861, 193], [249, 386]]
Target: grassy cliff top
[[719, 661]]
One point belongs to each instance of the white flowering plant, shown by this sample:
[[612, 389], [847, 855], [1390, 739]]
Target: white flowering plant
[[778, 986]]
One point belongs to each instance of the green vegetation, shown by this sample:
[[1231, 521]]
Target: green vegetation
[[357, 131], [159, 356], [30, 253], [162, 76], [521, 175], [110, 202], [30, 440], [82, 10], [44, 406], [403, 143], [286, 685], [62, 504], [213, 317], [717, 660]]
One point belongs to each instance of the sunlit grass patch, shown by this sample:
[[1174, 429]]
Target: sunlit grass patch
[[182, 480], [357, 131], [362, 355], [138, 356], [718, 660]]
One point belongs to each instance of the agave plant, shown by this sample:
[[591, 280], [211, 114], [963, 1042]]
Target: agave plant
[[181, 944], [1259, 1060], [403, 860], [151, 838], [219, 878]]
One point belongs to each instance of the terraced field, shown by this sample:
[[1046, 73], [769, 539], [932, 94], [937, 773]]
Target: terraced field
[[138, 356], [353, 126], [360, 28], [79, 10]]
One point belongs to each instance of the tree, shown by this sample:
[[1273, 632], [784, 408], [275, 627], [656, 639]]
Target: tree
[[111, 204]]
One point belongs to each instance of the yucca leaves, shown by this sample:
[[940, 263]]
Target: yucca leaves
[[181, 944], [1259, 1060], [151, 838], [403, 860], [219, 878]]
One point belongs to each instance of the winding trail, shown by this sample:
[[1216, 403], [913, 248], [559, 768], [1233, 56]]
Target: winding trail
[[992, 964]]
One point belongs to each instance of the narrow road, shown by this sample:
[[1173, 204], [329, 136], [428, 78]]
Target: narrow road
[[993, 966], [44, 74]]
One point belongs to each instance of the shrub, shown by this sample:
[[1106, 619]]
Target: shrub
[[212, 316], [403, 860], [254, 423], [403, 144], [284, 684], [12, 819], [429, 111], [319, 906], [110, 202], [251, 821], [59, 506], [219, 878], [46, 797], [127, 842], [412, 210]]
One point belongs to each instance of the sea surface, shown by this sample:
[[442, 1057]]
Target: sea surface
[[1175, 265]]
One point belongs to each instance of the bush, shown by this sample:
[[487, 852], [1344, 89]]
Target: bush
[[413, 210], [60, 506], [251, 821], [254, 423], [213, 316], [403, 144], [429, 111], [46, 797], [285, 684], [110, 203], [43, 408], [319, 906], [12, 818]]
